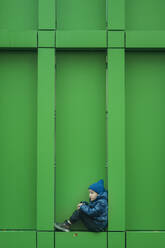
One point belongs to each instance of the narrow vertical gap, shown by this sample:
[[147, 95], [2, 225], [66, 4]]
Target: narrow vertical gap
[[36, 240], [107, 238], [37, 40], [55, 141], [125, 239], [55, 14], [106, 122], [106, 5], [54, 239]]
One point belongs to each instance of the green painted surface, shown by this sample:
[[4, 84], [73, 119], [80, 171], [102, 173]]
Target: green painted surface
[[46, 14], [18, 142], [45, 138], [116, 139], [19, 39], [81, 39], [19, 14], [116, 239], [145, 239], [145, 157], [80, 127], [77, 14], [21, 239], [145, 15], [145, 39], [116, 14], [45, 240], [80, 239]]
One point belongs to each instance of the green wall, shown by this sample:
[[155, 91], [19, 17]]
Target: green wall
[[18, 129], [145, 157], [80, 126], [81, 98]]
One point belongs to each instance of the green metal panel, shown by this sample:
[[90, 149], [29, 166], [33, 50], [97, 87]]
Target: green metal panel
[[18, 39], [145, 15], [45, 240], [116, 139], [46, 14], [45, 138], [78, 14], [100, 116], [21, 239], [145, 157], [116, 14], [18, 142], [81, 39], [80, 239], [80, 127], [145, 239], [18, 14], [116, 240], [145, 39]]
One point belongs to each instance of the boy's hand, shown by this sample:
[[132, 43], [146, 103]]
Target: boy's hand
[[78, 205]]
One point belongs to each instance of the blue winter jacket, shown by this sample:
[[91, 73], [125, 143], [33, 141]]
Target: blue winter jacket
[[97, 209]]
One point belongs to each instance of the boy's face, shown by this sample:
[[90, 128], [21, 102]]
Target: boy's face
[[92, 194]]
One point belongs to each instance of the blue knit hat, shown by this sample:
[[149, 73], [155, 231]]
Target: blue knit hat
[[97, 187]]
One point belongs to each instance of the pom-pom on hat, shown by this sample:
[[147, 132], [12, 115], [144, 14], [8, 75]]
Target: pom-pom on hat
[[98, 187]]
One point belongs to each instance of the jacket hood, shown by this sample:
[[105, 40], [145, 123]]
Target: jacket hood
[[101, 195]]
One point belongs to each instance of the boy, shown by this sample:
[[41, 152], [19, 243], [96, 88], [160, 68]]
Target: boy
[[94, 214]]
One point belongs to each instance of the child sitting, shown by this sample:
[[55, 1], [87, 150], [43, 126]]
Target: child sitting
[[94, 214]]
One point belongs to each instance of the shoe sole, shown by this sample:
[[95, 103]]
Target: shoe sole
[[61, 228]]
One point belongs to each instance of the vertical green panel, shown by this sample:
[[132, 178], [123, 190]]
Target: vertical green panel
[[145, 142], [21, 239], [46, 138], [45, 240], [80, 127], [46, 14], [116, 139], [18, 14], [145, 15], [78, 14], [116, 14], [81, 239], [145, 239], [116, 240], [18, 130]]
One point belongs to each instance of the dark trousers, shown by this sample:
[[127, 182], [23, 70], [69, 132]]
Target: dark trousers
[[88, 222]]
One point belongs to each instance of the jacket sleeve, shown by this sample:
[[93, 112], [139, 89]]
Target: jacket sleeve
[[85, 202], [95, 211]]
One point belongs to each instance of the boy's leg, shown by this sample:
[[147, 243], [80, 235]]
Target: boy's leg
[[75, 216], [88, 222]]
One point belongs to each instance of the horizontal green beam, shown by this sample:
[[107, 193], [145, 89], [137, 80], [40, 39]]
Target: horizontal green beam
[[150, 239], [81, 39], [19, 239], [45, 239], [18, 39], [145, 39], [116, 239]]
